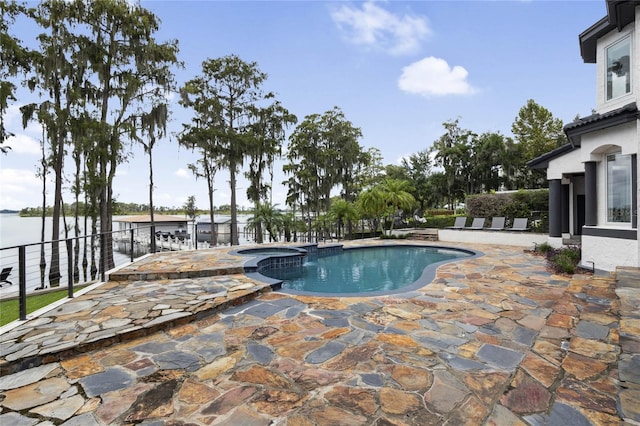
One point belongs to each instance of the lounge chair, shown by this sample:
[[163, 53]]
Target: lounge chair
[[4, 275], [478, 223], [459, 223], [497, 224], [519, 224]]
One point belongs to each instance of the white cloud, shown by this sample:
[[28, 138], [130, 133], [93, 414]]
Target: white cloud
[[182, 173], [375, 27], [434, 77], [19, 188], [24, 140], [23, 144]]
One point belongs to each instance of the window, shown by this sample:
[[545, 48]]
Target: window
[[618, 188], [619, 68]]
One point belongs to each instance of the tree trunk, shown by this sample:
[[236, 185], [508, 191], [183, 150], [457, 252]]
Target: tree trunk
[[151, 212], [76, 215], [234, 210], [258, 230], [54, 267], [209, 175], [43, 261]]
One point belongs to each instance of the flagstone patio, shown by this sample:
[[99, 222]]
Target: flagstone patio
[[187, 338]]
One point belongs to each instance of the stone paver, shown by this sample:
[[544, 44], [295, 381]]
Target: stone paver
[[491, 340]]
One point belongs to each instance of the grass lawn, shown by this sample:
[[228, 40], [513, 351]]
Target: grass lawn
[[10, 309]]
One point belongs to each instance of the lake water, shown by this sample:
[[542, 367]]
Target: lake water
[[16, 231]]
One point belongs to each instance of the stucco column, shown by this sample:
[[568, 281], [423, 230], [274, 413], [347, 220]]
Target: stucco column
[[634, 191], [590, 194], [555, 208], [565, 209]]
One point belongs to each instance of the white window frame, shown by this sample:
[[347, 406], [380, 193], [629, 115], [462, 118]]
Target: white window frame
[[630, 186], [628, 39]]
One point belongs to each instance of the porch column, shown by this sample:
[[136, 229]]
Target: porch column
[[634, 191], [590, 194], [565, 209], [555, 208]]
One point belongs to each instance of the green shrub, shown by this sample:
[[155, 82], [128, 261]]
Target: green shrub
[[438, 212], [563, 263], [564, 260], [536, 199], [488, 205], [543, 248], [532, 204], [516, 209], [572, 253], [440, 222]]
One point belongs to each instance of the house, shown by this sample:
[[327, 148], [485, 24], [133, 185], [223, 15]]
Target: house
[[593, 180]]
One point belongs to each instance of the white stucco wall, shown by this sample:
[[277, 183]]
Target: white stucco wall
[[520, 239], [569, 163], [608, 253], [595, 144]]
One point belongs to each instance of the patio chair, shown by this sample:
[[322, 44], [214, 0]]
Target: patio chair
[[478, 223], [497, 224], [460, 222], [4, 275], [520, 224]]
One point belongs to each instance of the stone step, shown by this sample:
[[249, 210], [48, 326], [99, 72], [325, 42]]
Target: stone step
[[628, 277], [425, 235]]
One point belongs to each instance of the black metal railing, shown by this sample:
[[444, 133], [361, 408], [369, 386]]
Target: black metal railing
[[41, 267], [47, 266]]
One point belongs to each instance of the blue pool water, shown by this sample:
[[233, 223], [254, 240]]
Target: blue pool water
[[366, 270]]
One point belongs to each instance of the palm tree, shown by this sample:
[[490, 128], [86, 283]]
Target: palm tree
[[342, 211], [373, 205], [397, 196], [266, 216], [292, 226]]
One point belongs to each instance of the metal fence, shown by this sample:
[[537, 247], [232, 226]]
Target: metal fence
[[30, 269]]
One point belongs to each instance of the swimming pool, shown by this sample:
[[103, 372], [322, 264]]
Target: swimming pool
[[270, 251], [366, 270]]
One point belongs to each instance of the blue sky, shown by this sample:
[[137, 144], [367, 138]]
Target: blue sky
[[397, 69]]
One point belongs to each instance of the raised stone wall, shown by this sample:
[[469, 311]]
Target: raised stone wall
[[520, 239]]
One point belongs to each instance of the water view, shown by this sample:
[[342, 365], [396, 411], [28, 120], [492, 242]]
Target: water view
[[17, 231]]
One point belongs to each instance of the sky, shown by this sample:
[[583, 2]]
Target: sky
[[397, 69]]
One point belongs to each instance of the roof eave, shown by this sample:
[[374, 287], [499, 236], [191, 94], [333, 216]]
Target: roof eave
[[589, 39], [542, 162], [619, 15], [575, 130]]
